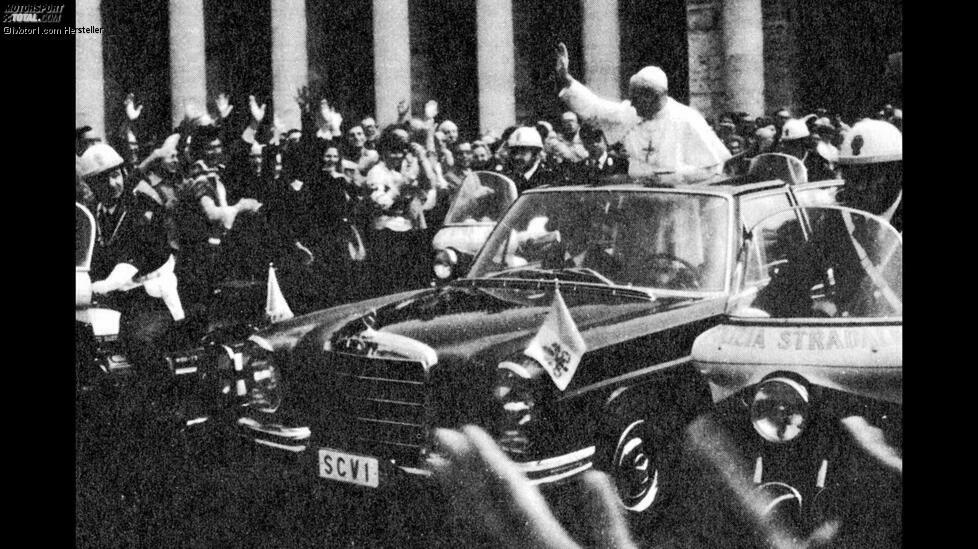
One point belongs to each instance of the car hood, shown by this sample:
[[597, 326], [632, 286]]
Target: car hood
[[461, 323]]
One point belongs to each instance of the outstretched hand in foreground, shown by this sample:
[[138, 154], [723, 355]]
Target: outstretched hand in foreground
[[492, 496]]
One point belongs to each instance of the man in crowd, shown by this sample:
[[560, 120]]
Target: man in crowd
[[871, 161], [796, 140], [567, 145], [598, 163], [523, 163], [665, 140], [133, 264]]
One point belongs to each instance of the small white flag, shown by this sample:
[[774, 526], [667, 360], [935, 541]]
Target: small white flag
[[558, 346], [276, 308]]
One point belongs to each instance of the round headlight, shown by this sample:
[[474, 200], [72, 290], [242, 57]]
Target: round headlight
[[445, 261], [780, 409]]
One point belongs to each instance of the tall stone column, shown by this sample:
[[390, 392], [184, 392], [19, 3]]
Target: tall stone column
[[89, 78], [496, 60], [743, 54], [188, 76], [601, 37], [392, 58], [290, 64]]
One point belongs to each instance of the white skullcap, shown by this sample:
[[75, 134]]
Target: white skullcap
[[447, 125], [650, 77]]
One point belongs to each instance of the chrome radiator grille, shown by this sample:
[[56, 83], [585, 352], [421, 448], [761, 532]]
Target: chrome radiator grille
[[383, 401]]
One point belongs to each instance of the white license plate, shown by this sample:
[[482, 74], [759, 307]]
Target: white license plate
[[349, 468]]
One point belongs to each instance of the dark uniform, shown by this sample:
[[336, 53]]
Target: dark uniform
[[591, 170], [542, 177], [135, 233], [200, 238]]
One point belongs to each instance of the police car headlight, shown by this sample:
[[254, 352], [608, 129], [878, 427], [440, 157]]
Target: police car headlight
[[445, 262], [780, 408], [262, 380], [513, 391]]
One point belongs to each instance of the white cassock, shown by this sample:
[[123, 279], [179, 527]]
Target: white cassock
[[677, 144]]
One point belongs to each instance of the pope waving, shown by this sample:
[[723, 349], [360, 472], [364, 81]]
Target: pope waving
[[665, 140]]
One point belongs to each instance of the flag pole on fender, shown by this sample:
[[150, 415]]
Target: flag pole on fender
[[558, 345], [276, 308]]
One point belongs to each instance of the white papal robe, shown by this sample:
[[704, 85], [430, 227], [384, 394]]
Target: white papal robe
[[676, 144]]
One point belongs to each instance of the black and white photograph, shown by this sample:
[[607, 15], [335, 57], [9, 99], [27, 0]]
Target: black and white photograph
[[485, 273]]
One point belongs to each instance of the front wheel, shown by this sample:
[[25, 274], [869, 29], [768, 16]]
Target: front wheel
[[636, 466]]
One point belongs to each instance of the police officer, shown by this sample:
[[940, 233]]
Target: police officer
[[523, 161], [871, 161], [132, 264]]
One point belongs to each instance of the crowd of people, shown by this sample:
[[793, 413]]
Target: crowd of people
[[347, 211]]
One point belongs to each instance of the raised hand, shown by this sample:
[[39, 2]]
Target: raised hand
[[329, 119], [430, 110], [132, 111], [257, 112], [191, 111], [561, 65], [304, 99], [224, 106], [403, 108], [486, 487]]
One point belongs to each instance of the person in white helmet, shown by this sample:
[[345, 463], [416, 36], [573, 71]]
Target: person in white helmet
[[133, 263], [524, 163], [871, 162], [665, 140], [797, 140]]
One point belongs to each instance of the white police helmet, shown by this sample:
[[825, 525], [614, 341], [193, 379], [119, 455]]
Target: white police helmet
[[525, 137], [98, 159], [870, 142], [794, 128]]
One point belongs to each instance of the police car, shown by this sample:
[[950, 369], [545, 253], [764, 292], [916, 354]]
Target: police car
[[569, 339], [807, 372]]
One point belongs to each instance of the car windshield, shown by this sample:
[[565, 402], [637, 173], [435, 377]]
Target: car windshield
[[820, 262], [659, 240], [483, 197]]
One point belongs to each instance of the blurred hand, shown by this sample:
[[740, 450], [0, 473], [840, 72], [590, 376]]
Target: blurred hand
[[418, 150], [248, 205], [489, 490], [224, 106], [431, 110], [132, 111], [329, 119], [191, 111], [561, 65], [304, 99], [257, 112], [403, 108]]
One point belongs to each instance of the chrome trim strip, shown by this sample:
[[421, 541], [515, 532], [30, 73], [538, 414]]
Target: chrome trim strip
[[559, 476], [386, 401], [554, 462], [626, 377], [384, 379], [294, 433], [388, 422], [295, 449], [415, 471]]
